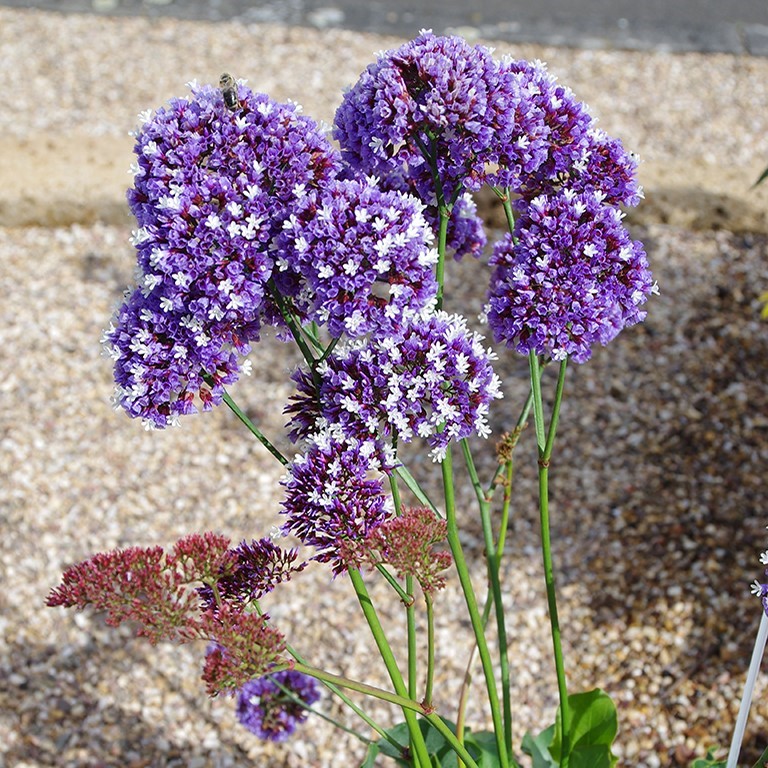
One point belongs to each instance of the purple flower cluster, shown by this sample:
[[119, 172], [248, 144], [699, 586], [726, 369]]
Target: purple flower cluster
[[759, 589], [431, 377], [264, 707], [441, 116], [251, 571], [427, 100], [362, 253], [334, 494], [569, 277], [540, 129], [211, 191], [605, 167]]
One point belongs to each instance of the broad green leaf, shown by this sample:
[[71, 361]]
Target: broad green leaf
[[439, 749], [482, 746], [538, 748], [593, 723], [370, 756], [400, 734], [593, 756]]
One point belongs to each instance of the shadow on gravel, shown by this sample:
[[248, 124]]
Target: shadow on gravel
[[659, 486], [74, 715]]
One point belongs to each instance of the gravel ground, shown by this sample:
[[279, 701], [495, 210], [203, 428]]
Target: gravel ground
[[659, 472]]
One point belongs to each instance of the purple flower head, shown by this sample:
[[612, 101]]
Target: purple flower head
[[573, 278], [212, 188], [334, 494], [254, 570], [540, 129], [161, 357], [428, 96], [608, 168], [265, 709], [430, 378], [761, 590], [466, 235], [363, 253]]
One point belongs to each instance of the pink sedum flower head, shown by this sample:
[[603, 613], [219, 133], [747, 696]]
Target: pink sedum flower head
[[407, 544], [161, 592]]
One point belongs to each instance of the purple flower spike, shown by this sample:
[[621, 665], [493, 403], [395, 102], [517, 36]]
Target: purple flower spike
[[251, 571], [430, 377], [212, 188], [573, 278], [429, 95], [332, 496], [265, 709], [364, 254]]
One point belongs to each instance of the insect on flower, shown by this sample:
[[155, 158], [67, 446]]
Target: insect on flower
[[228, 88]]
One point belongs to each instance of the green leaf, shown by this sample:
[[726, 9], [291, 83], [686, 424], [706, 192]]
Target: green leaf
[[400, 734], [440, 751], [762, 760], [594, 756], [483, 748], [370, 756], [763, 177], [538, 748], [709, 761], [481, 745], [594, 723]]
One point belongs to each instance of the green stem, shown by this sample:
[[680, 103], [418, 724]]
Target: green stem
[[408, 600], [413, 486], [385, 650], [430, 649], [493, 561], [406, 704], [296, 699], [506, 504], [515, 436], [293, 327], [312, 332], [442, 238], [508, 212], [456, 745], [255, 431], [545, 445], [405, 598], [471, 602]]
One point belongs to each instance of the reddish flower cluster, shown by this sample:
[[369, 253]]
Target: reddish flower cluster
[[407, 543], [162, 593], [245, 647]]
